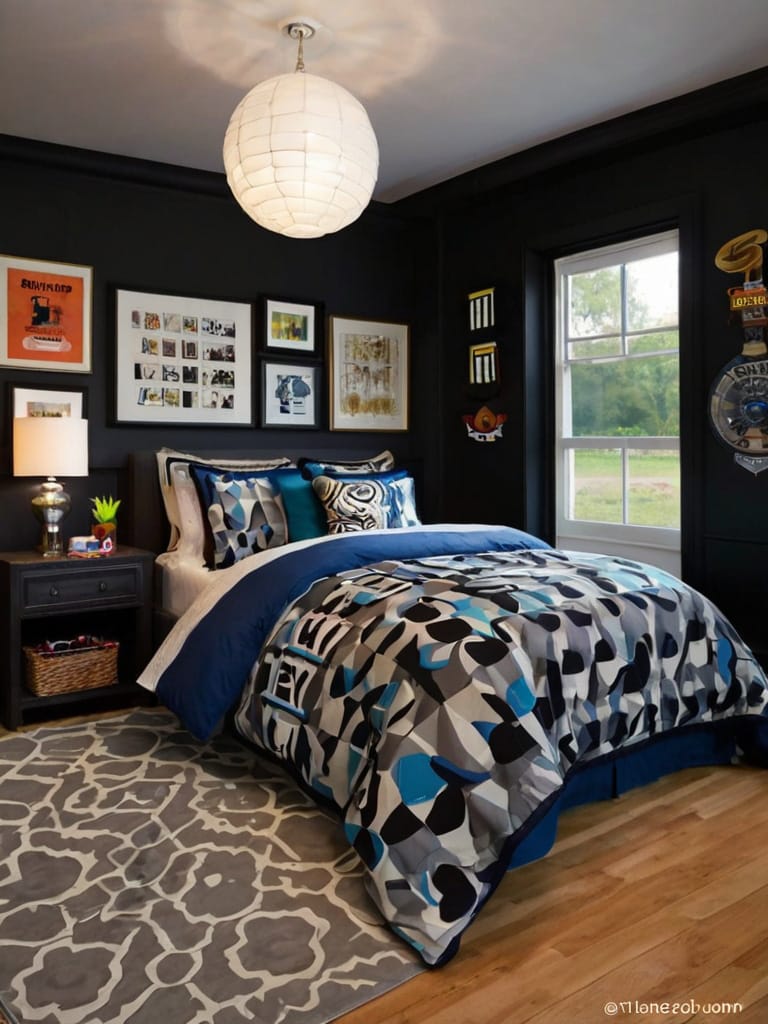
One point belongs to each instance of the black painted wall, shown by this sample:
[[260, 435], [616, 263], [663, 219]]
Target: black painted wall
[[156, 228]]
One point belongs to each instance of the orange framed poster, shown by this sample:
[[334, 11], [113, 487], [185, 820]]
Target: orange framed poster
[[45, 315]]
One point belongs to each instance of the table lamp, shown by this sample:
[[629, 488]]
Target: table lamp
[[50, 446]]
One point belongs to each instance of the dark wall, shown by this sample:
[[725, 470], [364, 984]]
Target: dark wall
[[159, 229], [677, 165]]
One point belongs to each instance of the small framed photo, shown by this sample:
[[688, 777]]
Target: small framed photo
[[53, 402], [45, 315], [183, 360], [368, 369], [290, 394], [484, 363], [291, 327]]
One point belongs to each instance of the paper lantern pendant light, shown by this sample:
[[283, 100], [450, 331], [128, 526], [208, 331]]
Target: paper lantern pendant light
[[300, 154]]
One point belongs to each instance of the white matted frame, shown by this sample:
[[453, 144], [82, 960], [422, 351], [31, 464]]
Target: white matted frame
[[368, 370], [47, 402], [45, 315], [291, 326], [290, 394], [183, 360]]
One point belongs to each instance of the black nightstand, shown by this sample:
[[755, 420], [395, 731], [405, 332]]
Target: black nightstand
[[60, 598]]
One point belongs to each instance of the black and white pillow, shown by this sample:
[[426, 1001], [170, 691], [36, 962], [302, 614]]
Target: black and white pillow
[[367, 502]]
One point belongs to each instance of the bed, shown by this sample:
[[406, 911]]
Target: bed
[[449, 689]]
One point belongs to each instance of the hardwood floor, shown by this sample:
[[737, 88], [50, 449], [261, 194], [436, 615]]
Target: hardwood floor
[[659, 896]]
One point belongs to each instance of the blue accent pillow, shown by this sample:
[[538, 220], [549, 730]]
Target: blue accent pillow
[[243, 512], [303, 512]]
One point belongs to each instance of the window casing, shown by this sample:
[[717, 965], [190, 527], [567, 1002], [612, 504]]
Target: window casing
[[617, 400]]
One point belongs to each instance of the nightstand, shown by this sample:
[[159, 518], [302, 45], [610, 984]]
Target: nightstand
[[60, 598]]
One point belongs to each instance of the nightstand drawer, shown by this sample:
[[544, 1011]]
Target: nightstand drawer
[[64, 589]]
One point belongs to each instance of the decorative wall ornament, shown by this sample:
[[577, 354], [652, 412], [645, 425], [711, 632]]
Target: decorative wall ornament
[[738, 398], [481, 309], [483, 371], [485, 425], [483, 363]]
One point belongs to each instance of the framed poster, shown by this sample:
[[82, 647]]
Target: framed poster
[[45, 315], [47, 402], [290, 395], [291, 326], [182, 360], [368, 369]]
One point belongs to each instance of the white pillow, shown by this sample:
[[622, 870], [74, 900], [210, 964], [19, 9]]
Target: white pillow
[[182, 506]]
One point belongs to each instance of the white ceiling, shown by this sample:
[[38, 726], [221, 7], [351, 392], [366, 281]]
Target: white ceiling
[[448, 84]]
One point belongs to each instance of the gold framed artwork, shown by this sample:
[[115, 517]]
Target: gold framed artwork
[[45, 315], [368, 370]]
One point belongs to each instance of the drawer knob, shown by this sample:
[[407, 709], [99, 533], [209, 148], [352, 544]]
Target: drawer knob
[[102, 586], [54, 591]]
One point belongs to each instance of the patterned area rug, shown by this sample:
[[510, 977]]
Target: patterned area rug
[[146, 878]]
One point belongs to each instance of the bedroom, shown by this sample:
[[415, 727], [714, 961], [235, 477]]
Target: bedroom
[[414, 261]]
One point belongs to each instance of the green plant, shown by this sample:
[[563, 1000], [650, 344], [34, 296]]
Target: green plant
[[105, 509]]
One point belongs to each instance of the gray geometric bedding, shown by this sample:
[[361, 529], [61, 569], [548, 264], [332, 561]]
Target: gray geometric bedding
[[440, 702]]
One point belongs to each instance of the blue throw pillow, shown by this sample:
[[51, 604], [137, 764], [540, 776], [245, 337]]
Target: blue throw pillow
[[303, 512], [243, 512]]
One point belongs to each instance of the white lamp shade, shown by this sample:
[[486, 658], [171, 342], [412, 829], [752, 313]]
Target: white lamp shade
[[50, 446], [301, 156]]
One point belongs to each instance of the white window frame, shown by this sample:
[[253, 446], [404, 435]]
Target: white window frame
[[658, 545]]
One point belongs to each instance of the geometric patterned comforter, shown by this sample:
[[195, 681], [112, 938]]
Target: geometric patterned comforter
[[439, 704]]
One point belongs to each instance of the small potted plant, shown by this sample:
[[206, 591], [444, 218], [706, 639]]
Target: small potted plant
[[104, 528]]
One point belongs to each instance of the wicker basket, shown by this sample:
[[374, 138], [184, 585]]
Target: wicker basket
[[68, 671]]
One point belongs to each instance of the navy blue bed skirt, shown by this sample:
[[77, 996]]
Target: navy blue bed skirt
[[693, 747]]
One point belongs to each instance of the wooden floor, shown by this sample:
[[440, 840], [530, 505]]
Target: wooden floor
[[659, 896]]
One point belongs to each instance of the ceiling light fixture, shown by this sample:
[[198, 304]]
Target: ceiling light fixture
[[300, 154]]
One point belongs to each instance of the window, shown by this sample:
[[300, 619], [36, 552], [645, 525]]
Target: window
[[618, 450]]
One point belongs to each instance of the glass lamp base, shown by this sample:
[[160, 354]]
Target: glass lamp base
[[50, 506], [51, 544]]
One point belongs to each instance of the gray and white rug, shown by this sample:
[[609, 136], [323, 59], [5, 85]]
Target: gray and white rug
[[146, 878]]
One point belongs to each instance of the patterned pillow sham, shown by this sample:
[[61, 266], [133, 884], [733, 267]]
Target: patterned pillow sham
[[367, 502], [346, 467], [244, 513], [179, 494]]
